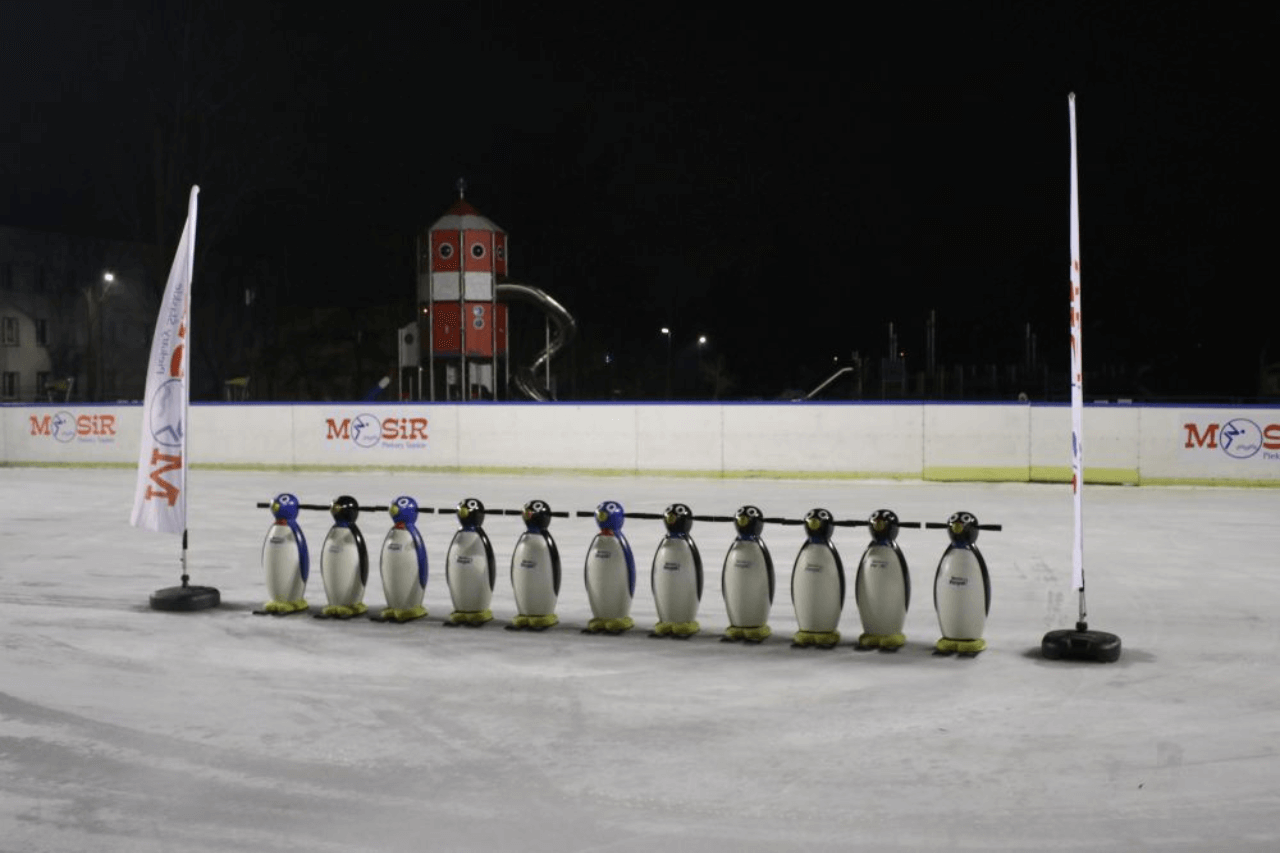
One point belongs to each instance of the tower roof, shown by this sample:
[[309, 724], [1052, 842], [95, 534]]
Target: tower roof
[[463, 216]]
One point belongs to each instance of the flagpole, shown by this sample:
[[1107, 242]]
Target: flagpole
[[1080, 643]]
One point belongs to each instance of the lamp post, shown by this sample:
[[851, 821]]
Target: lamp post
[[702, 343], [93, 370], [666, 333]]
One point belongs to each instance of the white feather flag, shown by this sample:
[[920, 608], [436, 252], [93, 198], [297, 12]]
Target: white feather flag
[[160, 500]]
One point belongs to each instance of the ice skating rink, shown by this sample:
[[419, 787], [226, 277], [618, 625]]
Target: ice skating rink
[[127, 729]]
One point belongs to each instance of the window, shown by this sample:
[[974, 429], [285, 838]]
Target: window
[[9, 332], [42, 332], [9, 385]]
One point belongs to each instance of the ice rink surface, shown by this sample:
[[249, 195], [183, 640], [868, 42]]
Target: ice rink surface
[[127, 729]]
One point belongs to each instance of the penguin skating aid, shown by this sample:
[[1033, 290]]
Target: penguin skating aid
[[535, 571], [344, 562], [962, 587], [676, 576], [285, 561], [610, 573], [747, 580], [470, 568], [817, 584], [882, 586], [403, 564]]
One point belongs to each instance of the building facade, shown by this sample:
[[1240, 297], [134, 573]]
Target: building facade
[[75, 317]]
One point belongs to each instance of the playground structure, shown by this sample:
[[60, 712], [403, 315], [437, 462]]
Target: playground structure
[[463, 295]]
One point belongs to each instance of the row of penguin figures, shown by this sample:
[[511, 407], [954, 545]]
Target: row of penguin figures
[[881, 586]]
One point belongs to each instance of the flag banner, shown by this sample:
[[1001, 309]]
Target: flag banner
[[1077, 371], [160, 499]]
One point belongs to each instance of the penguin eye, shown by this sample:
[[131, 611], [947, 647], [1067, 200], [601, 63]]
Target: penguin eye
[[967, 518], [286, 499], [402, 502], [753, 512], [472, 503], [681, 509], [611, 507], [824, 515]]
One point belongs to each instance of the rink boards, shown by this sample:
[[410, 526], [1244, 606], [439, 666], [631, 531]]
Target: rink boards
[[1226, 445]]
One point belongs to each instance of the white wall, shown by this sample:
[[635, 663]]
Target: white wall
[[1122, 444]]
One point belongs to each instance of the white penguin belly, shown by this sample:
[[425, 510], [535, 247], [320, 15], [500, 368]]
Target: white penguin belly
[[675, 581], [744, 582], [467, 570], [399, 567], [815, 589], [282, 564], [533, 576], [960, 596], [340, 568], [881, 591], [608, 582]]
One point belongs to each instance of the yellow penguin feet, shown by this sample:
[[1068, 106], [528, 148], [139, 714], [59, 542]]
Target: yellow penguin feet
[[684, 630], [733, 634], [963, 647], [818, 639], [408, 614], [618, 626], [343, 611], [662, 629], [609, 626], [470, 618], [284, 608], [758, 634], [533, 623], [888, 642]]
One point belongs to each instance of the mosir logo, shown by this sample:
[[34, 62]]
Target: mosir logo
[[65, 427], [1239, 438], [365, 430]]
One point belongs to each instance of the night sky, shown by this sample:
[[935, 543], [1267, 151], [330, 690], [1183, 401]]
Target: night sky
[[787, 181]]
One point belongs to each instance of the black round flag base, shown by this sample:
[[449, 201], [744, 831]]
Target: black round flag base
[[1081, 644], [185, 598]]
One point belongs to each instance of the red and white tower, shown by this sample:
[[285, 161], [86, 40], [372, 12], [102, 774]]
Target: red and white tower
[[461, 259]]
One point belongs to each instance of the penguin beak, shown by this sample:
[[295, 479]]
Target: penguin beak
[[275, 507], [395, 510], [957, 527], [878, 525], [602, 516], [463, 512], [813, 523]]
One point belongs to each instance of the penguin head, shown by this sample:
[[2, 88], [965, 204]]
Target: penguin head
[[345, 509], [818, 522], [471, 514], [678, 519], [749, 520], [285, 507], [884, 525], [962, 527], [404, 510], [609, 516], [537, 516]]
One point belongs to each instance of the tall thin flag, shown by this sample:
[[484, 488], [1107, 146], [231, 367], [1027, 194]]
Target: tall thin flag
[[1077, 377], [1080, 642], [160, 496]]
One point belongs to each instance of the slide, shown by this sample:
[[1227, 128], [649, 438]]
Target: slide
[[525, 377]]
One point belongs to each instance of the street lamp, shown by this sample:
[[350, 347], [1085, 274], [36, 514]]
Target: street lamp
[[666, 333], [702, 343], [93, 370]]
